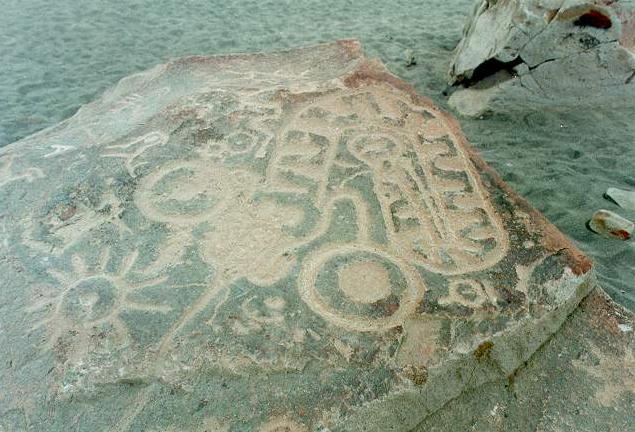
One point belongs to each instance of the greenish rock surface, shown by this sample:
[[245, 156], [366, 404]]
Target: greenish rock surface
[[293, 241]]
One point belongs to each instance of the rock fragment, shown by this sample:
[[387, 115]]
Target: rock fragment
[[621, 197], [555, 52], [611, 225]]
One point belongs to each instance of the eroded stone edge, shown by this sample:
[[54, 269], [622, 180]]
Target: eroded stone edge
[[604, 320]]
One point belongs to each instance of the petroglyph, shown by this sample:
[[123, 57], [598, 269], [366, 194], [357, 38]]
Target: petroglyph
[[319, 285], [405, 172], [84, 298], [294, 241], [133, 150], [432, 204], [414, 190], [246, 236], [469, 292], [248, 232], [59, 149], [365, 282], [524, 273], [68, 222]]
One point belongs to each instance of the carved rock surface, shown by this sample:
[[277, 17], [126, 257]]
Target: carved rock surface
[[558, 52], [290, 241]]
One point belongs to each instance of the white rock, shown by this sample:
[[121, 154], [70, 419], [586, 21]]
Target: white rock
[[611, 225], [476, 100], [558, 52], [623, 198], [472, 102]]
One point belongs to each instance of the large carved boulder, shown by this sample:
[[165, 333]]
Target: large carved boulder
[[293, 241], [555, 52]]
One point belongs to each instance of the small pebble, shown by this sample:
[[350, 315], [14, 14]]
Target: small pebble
[[611, 225], [410, 59], [623, 198]]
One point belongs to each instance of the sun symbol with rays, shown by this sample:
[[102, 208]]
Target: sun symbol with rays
[[90, 298]]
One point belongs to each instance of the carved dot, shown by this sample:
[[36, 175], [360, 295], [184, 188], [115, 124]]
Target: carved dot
[[365, 282], [90, 299]]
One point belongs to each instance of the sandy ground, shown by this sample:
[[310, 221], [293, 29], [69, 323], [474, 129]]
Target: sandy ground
[[58, 56]]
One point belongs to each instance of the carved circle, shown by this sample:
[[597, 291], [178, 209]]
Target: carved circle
[[188, 192], [90, 299], [385, 292], [365, 282]]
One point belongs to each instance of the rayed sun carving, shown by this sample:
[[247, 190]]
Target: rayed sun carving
[[80, 311]]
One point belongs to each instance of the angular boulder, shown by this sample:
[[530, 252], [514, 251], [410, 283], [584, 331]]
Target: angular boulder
[[290, 241], [555, 52]]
